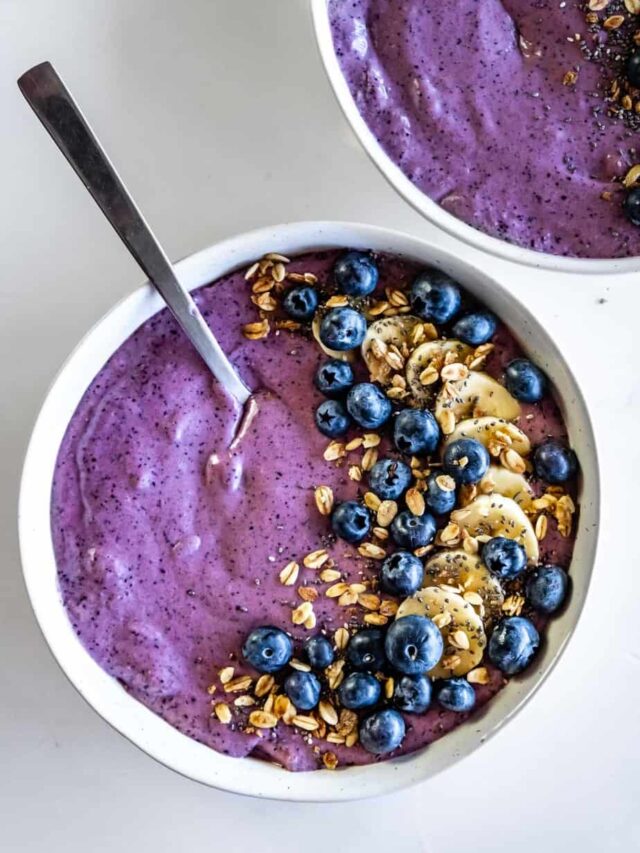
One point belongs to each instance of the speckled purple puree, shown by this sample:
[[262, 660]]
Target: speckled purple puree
[[166, 563], [486, 128]]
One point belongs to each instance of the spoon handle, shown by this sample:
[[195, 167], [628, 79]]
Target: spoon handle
[[62, 118]]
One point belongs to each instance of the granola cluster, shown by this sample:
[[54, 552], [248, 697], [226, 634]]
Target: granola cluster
[[613, 33]]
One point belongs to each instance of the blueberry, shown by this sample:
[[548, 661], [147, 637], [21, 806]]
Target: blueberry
[[332, 419], [513, 644], [301, 302], [343, 329], [356, 274], [365, 650], [334, 377], [466, 460], [319, 652], [546, 588], [389, 479], [368, 406], [267, 649], [303, 688], [504, 557], [435, 297], [525, 381], [475, 329], [351, 521], [359, 690], [401, 574], [413, 645], [412, 531], [631, 205], [633, 69], [382, 731], [416, 432], [554, 462], [456, 694], [412, 694], [439, 499]]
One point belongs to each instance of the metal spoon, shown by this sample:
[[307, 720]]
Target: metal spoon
[[62, 118]]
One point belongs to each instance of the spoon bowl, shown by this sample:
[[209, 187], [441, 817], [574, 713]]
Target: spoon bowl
[[138, 723]]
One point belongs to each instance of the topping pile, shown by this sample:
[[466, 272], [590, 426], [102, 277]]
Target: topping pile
[[613, 42], [453, 503]]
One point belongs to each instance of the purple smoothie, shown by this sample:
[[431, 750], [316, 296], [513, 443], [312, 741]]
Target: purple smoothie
[[169, 545], [468, 99]]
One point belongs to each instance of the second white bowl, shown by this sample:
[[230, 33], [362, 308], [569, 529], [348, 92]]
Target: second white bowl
[[419, 200]]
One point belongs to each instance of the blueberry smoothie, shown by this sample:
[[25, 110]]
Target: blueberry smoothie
[[356, 563], [520, 118]]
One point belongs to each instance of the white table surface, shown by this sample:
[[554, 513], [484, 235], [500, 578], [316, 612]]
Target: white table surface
[[221, 119]]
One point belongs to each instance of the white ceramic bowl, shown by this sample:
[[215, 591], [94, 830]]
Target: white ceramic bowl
[[419, 200], [144, 728]]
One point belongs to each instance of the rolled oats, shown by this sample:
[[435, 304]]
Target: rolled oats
[[369, 601], [264, 685], [372, 501], [375, 619], [337, 590], [306, 722], [459, 640], [541, 527], [301, 613], [223, 713], [256, 331], [316, 559], [387, 511], [334, 450], [263, 719], [371, 550], [328, 712], [369, 459], [513, 605], [226, 674], [289, 574], [329, 575], [415, 501], [324, 499], [388, 607], [480, 675], [238, 685], [341, 638]]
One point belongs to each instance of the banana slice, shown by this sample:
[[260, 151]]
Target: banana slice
[[423, 356], [460, 625], [478, 395], [386, 331], [496, 515], [507, 483], [492, 431], [457, 568], [349, 355]]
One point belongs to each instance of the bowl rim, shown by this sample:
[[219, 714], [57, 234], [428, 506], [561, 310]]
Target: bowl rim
[[132, 719], [420, 201]]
